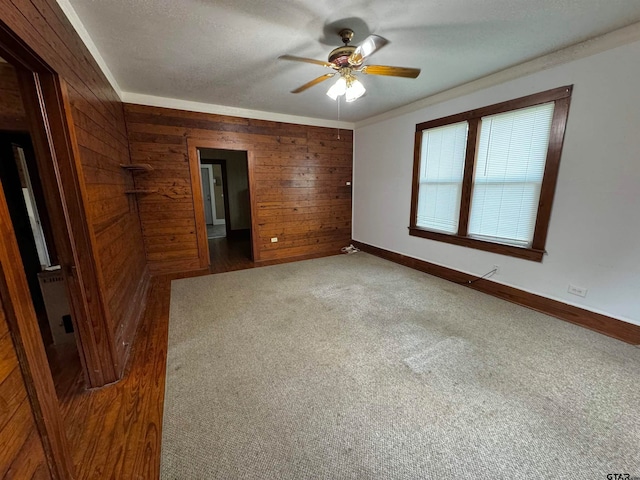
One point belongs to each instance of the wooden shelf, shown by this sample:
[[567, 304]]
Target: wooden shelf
[[138, 167], [142, 190]]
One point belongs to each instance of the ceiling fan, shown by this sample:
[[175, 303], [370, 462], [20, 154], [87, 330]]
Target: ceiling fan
[[347, 60]]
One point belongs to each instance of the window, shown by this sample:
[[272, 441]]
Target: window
[[485, 178]]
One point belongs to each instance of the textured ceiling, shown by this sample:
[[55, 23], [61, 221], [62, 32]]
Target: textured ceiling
[[224, 52]]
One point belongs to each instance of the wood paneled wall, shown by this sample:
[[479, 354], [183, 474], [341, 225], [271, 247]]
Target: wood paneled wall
[[12, 116], [298, 176], [98, 122], [21, 452]]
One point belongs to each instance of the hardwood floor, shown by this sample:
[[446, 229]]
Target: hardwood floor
[[229, 254], [66, 368], [115, 431]]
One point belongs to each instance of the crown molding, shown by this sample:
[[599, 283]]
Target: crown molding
[[156, 101], [584, 49], [73, 17], [590, 47], [164, 102]]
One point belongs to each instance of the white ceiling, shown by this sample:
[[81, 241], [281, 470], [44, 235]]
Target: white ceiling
[[224, 52]]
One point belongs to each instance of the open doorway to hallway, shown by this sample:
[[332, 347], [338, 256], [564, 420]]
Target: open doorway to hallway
[[227, 207]]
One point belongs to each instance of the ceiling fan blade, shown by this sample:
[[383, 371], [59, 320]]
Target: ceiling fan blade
[[371, 44], [313, 82], [391, 71], [306, 60]]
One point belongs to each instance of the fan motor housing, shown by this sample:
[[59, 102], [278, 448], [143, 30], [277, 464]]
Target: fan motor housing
[[340, 56]]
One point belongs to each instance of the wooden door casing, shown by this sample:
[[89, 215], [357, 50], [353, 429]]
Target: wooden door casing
[[20, 317], [85, 124]]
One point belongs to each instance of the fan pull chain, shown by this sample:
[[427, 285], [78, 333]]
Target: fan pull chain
[[338, 102]]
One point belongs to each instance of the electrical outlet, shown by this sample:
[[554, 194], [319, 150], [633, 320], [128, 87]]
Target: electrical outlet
[[274, 239], [497, 269], [348, 183], [575, 290]]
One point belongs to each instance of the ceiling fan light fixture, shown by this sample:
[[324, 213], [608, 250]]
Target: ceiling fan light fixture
[[354, 91], [348, 60], [337, 89]]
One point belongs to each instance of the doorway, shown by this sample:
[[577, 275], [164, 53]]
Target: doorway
[[227, 207], [35, 287], [22, 185]]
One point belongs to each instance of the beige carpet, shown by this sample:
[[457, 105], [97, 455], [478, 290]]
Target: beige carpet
[[352, 367]]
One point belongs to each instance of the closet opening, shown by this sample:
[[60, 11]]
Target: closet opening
[[22, 185]]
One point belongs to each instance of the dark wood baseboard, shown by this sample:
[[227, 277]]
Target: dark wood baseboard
[[297, 258], [186, 274], [627, 332], [132, 320]]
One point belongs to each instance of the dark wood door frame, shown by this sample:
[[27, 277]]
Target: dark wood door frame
[[16, 301], [193, 145], [25, 333], [59, 167], [46, 102]]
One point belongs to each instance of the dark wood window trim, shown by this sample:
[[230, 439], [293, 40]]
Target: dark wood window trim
[[562, 98]]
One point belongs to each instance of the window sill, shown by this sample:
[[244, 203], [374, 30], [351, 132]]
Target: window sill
[[510, 250]]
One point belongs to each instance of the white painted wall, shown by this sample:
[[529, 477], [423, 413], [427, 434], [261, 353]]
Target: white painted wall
[[594, 235]]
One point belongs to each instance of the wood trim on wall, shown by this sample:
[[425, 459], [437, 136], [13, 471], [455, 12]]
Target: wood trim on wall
[[297, 258], [57, 164], [299, 186], [12, 115], [134, 315], [198, 205], [193, 144], [415, 178], [473, 138], [21, 317], [89, 143], [561, 97], [514, 104], [256, 254], [612, 327], [501, 248], [551, 170]]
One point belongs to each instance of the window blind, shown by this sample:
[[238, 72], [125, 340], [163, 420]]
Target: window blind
[[509, 168], [441, 172]]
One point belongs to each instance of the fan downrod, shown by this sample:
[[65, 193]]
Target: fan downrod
[[346, 34]]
